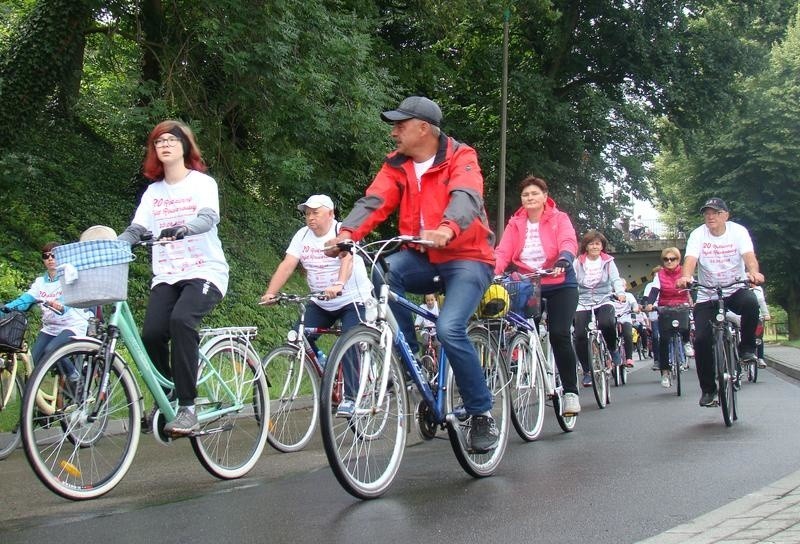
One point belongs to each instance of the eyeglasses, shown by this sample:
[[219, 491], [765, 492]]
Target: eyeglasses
[[48, 255], [669, 259], [169, 142]]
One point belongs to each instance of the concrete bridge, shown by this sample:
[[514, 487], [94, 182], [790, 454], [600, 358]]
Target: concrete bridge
[[636, 265]]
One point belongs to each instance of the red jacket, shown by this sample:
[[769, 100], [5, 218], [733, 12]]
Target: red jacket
[[558, 242], [668, 292], [451, 194]]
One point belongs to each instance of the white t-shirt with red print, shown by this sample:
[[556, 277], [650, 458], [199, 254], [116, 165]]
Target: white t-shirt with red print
[[719, 258], [532, 251], [166, 205], [323, 271], [54, 323]]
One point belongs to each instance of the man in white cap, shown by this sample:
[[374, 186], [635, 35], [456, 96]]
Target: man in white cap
[[437, 186], [722, 252], [344, 281]]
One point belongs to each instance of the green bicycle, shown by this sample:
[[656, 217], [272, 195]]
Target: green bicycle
[[85, 448]]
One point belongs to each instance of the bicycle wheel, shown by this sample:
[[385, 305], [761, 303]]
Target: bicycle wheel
[[724, 381], [494, 371], [228, 446], [752, 372], [294, 398], [11, 402], [567, 423], [366, 449], [676, 351], [527, 388], [597, 361], [85, 447]]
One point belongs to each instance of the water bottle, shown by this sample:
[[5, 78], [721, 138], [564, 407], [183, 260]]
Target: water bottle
[[321, 358]]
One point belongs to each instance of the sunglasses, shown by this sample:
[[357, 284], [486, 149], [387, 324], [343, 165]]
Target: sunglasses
[[46, 256], [669, 259]]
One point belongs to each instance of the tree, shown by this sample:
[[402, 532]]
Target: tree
[[41, 67], [753, 165]]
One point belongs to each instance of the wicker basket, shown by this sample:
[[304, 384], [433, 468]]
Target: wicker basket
[[12, 330], [93, 273]]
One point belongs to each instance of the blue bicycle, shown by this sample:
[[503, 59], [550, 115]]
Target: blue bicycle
[[365, 450]]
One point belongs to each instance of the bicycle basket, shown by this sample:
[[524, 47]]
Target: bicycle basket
[[93, 272], [526, 296], [12, 330]]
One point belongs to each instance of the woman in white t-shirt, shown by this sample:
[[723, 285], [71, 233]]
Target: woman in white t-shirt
[[190, 275], [344, 280], [59, 322]]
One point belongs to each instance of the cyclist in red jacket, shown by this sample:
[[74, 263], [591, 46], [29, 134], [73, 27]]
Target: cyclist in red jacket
[[437, 186]]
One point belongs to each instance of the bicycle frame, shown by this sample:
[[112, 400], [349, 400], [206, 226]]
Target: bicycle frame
[[121, 324], [392, 335]]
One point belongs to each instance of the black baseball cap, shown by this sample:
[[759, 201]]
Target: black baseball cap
[[715, 203], [415, 107]]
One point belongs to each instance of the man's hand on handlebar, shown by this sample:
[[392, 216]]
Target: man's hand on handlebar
[[268, 299], [333, 250], [756, 278], [440, 237]]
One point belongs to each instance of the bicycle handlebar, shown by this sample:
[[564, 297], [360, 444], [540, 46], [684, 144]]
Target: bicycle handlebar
[[293, 297], [696, 284]]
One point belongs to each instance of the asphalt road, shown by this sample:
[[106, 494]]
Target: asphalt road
[[649, 461]]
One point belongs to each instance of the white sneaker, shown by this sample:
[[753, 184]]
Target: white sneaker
[[572, 405], [688, 349], [762, 363], [665, 379]]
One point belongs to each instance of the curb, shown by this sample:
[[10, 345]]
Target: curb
[[784, 368]]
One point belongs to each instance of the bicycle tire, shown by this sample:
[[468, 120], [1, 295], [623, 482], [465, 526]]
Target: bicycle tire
[[294, 398], [752, 372], [230, 445], [723, 394], [527, 392], [734, 377], [364, 451], [567, 423], [78, 468], [11, 395], [678, 358], [599, 375], [480, 465]]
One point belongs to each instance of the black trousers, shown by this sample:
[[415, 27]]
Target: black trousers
[[606, 322], [742, 302], [173, 315], [561, 304]]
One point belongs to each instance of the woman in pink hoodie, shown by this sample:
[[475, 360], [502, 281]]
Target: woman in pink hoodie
[[538, 236]]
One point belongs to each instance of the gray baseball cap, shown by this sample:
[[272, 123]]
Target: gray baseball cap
[[415, 107]]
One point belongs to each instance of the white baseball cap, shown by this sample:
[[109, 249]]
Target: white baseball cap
[[315, 201]]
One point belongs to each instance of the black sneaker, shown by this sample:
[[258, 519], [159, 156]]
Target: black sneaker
[[483, 436], [708, 399]]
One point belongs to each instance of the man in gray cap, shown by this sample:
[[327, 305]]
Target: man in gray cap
[[437, 185], [722, 252]]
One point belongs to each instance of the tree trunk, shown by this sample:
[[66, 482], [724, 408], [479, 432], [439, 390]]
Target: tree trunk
[[43, 64], [153, 26]]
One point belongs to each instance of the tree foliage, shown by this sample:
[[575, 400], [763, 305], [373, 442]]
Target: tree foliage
[[284, 95], [750, 160]]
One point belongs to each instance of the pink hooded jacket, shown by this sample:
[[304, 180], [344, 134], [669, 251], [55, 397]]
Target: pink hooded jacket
[[559, 241]]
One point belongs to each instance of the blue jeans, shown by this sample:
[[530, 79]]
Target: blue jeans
[[464, 283], [46, 344], [350, 316]]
